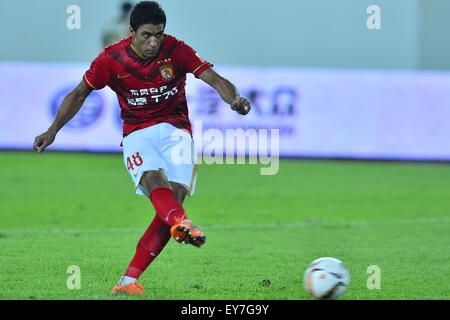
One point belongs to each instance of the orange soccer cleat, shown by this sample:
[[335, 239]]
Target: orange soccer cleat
[[187, 232], [133, 288]]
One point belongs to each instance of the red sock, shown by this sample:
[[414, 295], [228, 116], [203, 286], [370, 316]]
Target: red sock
[[150, 245], [167, 208]]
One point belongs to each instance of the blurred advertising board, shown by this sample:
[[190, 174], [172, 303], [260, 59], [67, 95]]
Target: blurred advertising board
[[369, 114]]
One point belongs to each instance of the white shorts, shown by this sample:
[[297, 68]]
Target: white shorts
[[161, 147]]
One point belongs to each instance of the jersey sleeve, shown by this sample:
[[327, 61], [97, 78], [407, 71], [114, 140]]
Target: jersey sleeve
[[190, 61], [97, 76]]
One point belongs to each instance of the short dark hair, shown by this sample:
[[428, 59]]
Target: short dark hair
[[147, 12]]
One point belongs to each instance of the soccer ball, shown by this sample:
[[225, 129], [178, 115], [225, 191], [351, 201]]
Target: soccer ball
[[326, 278]]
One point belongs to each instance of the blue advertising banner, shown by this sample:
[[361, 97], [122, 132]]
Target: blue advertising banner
[[369, 114]]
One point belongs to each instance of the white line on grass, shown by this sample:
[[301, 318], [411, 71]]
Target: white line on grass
[[273, 225]]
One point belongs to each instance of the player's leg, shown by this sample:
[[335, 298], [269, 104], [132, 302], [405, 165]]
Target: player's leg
[[179, 191], [141, 159], [180, 156], [147, 170], [167, 198], [167, 207], [154, 238], [148, 248], [186, 231]]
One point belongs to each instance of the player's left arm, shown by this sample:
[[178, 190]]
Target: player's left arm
[[227, 91]]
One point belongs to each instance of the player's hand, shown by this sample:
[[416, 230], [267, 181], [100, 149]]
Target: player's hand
[[241, 105], [43, 140]]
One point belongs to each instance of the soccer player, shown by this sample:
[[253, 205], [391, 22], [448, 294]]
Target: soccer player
[[148, 73]]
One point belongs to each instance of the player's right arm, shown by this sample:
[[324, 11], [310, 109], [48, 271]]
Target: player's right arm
[[69, 108]]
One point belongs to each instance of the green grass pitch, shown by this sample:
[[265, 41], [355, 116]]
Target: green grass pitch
[[62, 209]]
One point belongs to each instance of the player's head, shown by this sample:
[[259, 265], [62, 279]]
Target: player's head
[[147, 23]]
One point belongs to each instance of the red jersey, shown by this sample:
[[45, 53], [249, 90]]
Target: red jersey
[[149, 91]]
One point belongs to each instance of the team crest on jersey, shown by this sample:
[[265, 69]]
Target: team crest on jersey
[[166, 72]]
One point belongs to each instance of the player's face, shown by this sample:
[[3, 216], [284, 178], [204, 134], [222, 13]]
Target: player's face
[[147, 39]]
